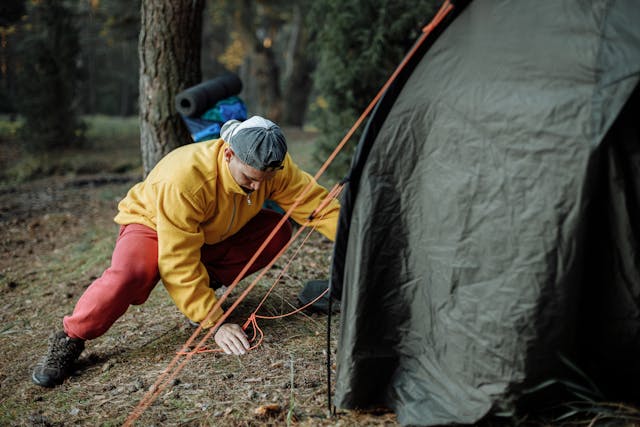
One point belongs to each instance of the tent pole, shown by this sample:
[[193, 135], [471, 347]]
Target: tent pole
[[331, 411]]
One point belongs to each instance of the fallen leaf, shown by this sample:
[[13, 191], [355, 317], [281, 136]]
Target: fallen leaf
[[267, 410]]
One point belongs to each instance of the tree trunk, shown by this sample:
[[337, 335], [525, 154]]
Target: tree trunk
[[260, 72], [297, 79], [169, 52]]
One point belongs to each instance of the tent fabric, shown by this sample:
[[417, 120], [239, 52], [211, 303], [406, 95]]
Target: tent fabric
[[488, 224]]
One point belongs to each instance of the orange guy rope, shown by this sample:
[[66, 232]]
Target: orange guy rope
[[159, 385], [251, 320], [166, 377], [332, 194]]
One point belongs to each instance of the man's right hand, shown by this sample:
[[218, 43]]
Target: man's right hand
[[232, 339]]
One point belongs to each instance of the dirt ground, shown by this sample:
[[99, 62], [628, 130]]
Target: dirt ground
[[57, 236]]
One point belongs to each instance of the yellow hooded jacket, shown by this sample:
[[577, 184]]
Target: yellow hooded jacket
[[190, 198]]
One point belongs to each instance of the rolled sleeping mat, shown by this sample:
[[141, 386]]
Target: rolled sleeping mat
[[194, 101]]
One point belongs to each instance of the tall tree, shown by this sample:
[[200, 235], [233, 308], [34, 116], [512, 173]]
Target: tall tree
[[169, 52], [47, 78], [360, 42], [11, 11], [266, 46], [109, 42], [299, 66], [260, 71]]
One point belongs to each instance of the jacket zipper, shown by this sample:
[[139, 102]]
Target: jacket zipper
[[233, 216]]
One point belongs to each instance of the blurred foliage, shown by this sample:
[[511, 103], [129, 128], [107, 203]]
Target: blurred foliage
[[109, 56], [11, 11], [346, 50], [47, 78], [359, 43], [9, 128], [107, 60]]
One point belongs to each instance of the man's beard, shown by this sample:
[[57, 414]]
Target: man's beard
[[246, 190]]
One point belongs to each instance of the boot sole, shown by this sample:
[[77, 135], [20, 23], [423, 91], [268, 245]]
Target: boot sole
[[48, 384]]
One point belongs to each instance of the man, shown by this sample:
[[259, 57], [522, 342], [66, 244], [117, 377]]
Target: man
[[194, 222]]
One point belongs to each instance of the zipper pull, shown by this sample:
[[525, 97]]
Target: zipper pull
[[249, 199]]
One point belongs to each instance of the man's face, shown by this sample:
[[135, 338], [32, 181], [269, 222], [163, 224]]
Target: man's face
[[247, 177]]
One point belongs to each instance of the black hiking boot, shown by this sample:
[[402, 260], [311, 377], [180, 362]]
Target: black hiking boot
[[56, 366], [312, 291]]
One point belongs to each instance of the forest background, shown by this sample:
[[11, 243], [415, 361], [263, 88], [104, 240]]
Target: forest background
[[307, 64]]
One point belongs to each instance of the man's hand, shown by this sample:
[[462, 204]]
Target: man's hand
[[232, 339]]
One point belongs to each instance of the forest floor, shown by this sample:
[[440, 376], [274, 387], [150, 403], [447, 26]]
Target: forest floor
[[57, 236]]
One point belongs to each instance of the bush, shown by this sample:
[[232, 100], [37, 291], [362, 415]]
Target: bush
[[360, 43]]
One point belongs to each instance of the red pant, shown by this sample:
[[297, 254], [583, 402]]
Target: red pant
[[134, 270]]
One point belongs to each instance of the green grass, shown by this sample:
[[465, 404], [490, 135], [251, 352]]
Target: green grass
[[101, 130], [104, 128], [9, 128], [112, 146]]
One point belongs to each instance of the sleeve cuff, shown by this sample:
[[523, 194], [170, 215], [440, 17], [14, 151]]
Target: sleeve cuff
[[214, 318]]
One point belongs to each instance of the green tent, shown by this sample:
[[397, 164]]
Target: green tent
[[491, 223]]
